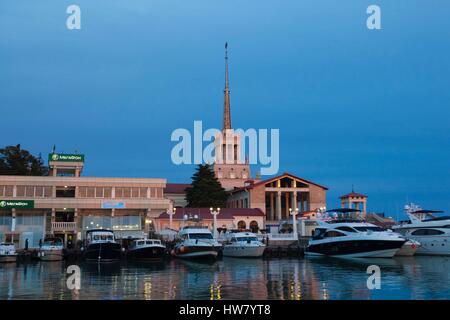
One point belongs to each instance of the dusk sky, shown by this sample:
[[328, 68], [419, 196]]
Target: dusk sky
[[369, 108]]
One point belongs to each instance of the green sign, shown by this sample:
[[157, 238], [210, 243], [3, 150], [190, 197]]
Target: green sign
[[66, 157], [9, 204]]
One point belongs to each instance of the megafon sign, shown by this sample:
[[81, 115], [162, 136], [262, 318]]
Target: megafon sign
[[66, 157]]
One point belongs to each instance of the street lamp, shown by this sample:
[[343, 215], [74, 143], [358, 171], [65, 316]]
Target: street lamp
[[215, 213], [294, 221], [171, 213]]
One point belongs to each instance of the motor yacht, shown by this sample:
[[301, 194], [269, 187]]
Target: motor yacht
[[243, 245], [101, 246], [7, 252], [428, 228], [196, 242], [353, 238], [146, 250], [51, 250]]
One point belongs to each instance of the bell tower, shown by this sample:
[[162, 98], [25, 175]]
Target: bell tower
[[229, 168]]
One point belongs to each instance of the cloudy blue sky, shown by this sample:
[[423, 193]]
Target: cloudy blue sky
[[354, 106]]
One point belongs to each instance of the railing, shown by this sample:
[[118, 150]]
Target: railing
[[64, 226], [282, 236]]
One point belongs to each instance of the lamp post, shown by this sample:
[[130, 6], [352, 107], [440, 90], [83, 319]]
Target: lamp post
[[294, 221], [171, 213], [215, 213]]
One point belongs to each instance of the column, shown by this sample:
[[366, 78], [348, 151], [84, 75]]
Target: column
[[278, 205], [294, 200], [13, 220], [286, 203], [364, 209], [272, 208]]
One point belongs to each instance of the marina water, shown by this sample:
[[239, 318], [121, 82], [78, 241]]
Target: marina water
[[418, 277]]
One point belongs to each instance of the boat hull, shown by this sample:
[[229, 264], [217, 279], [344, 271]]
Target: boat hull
[[196, 252], [147, 254], [102, 252], [408, 249], [356, 248], [8, 258], [51, 255], [243, 251]]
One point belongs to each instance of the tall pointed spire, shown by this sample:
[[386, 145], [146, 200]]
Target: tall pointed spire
[[226, 91]]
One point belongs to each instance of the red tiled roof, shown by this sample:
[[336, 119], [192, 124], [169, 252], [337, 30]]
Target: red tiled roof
[[205, 214], [176, 187], [275, 178], [353, 194]]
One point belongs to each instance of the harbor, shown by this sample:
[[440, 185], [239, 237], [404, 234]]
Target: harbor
[[407, 278]]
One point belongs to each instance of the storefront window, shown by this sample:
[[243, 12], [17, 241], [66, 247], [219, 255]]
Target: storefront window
[[127, 223], [96, 222]]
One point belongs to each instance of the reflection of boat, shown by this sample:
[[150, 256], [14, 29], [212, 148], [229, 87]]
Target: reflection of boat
[[431, 231], [101, 246], [7, 252], [243, 245], [352, 238], [196, 242], [52, 250], [146, 249], [408, 249]]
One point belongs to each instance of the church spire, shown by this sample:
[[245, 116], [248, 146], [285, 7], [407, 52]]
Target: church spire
[[226, 91]]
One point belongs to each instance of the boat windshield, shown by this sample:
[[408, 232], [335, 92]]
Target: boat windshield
[[247, 239], [374, 229], [103, 237], [200, 236], [53, 242]]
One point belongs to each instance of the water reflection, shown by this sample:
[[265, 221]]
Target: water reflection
[[231, 278]]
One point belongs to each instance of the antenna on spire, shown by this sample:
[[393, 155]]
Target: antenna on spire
[[226, 91]]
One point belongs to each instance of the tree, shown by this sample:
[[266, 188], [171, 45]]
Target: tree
[[205, 191], [17, 161]]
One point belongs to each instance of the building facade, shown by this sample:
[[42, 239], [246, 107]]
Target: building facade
[[66, 204], [278, 195]]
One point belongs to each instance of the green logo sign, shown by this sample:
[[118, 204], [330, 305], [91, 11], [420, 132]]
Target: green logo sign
[[9, 204], [66, 157]]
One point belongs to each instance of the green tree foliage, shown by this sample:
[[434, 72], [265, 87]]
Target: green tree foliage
[[205, 191], [17, 161]]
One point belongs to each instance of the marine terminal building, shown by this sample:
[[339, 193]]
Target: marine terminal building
[[65, 204]]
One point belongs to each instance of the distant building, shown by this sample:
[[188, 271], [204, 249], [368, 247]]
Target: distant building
[[176, 192], [354, 200], [275, 196], [229, 218]]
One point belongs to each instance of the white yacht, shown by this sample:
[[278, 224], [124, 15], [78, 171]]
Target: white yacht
[[196, 242], [430, 230], [7, 252], [52, 250], [353, 238], [243, 245]]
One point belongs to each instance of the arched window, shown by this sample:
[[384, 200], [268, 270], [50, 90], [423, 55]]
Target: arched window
[[242, 225], [254, 226]]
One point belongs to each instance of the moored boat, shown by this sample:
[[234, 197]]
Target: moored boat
[[146, 250], [101, 246], [243, 245], [429, 229], [7, 252], [51, 250], [353, 239], [196, 242]]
